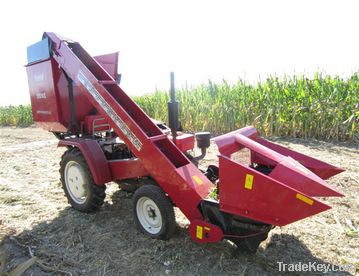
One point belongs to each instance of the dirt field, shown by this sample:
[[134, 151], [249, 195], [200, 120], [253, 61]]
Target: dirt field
[[36, 220]]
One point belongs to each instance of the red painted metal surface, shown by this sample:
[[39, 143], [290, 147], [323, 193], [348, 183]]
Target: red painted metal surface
[[284, 195], [320, 168], [127, 168], [227, 142], [94, 157], [44, 95], [289, 171], [49, 93], [110, 63], [184, 142], [166, 163], [50, 98], [203, 232], [95, 123], [264, 199]]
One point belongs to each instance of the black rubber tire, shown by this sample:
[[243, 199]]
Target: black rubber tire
[[96, 194], [165, 206]]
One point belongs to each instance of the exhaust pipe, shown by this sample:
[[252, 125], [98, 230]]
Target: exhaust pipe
[[202, 138], [172, 105]]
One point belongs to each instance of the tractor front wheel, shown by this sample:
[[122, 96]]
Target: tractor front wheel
[[77, 181], [154, 213]]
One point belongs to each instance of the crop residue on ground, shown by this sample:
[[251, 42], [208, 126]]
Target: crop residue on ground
[[36, 221]]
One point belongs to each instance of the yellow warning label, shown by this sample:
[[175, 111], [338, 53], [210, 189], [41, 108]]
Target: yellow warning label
[[199, 232], [248, 184], [305, 199], [197, 179]]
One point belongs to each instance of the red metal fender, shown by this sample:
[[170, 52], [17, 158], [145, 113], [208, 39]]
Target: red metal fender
[[94, 157], [204, 232]]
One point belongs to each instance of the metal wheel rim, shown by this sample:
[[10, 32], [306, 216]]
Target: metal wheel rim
[[76, 182], [149, 215]]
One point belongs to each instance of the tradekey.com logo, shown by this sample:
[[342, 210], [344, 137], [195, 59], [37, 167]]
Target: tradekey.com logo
[[315, 267]]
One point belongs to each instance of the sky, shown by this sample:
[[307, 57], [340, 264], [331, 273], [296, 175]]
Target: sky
[[198, 40]]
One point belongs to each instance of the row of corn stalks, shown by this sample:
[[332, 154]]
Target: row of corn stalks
[[322, 107], [16, 115]]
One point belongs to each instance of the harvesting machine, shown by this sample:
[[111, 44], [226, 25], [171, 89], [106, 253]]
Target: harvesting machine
[[110, 138]]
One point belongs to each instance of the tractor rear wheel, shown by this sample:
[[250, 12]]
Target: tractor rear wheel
[[77, 181], [154, 213]]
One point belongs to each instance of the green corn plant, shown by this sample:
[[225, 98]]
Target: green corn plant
[[321, 107]]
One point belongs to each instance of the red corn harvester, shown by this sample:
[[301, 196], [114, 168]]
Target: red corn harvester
[[110, 138]]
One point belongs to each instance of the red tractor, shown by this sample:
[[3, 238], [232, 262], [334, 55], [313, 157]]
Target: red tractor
[[110, 138]]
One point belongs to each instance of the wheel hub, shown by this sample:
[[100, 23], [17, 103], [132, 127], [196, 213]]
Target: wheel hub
[[76, 182], [149, 215]]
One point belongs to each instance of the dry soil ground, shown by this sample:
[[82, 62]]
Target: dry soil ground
[[36, 220]]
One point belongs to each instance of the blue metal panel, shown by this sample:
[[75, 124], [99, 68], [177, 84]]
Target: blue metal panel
[[38, 51]]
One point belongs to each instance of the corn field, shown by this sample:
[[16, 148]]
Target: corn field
[[16, 115], [322, 107]]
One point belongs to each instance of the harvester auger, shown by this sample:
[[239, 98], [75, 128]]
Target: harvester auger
[[110, 138]]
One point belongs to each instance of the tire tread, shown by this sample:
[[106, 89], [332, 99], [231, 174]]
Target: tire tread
[[97, 193], [165, 206]]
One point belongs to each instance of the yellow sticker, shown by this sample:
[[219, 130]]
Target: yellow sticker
[[207, 228], [304, 199], [199, 232], [197, 179], [248, 184]]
